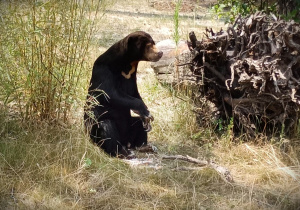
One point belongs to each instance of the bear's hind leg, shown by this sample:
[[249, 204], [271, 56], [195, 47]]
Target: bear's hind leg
[[106, 135], [137, 135]]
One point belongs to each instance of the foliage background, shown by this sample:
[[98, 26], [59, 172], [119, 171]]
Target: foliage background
[[230, 9]]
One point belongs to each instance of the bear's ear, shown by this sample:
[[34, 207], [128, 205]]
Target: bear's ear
[[135, 47], [132, 41]]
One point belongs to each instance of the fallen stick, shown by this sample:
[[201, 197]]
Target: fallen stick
[[185, 158], [183, 168], [224, 172]]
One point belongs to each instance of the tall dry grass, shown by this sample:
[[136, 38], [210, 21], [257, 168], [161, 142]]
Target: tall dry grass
[[43, 166], [49, 166], [44, 49]]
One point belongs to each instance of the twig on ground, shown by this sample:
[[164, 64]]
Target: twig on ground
[[224, 172]]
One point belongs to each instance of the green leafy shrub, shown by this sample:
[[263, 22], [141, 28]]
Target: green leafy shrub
[[294, 12], [230, 9]]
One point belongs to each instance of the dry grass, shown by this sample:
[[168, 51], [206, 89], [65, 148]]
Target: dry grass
[[46, 166], [53, 167]]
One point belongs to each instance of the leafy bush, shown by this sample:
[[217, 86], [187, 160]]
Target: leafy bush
[[44, 47], [291, 11], [230, 9]]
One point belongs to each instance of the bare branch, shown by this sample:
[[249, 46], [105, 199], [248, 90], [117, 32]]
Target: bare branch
[[224, 172]]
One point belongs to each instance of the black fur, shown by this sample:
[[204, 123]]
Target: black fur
[[111, 96]]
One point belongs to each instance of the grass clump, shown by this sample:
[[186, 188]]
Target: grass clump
[[176, 35]]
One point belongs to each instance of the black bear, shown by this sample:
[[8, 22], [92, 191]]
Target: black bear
[[113, 93]]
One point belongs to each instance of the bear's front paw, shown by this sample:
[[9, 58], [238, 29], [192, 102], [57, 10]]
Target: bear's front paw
[[147, 149], [126, 154], [145, 116], [146, 122]]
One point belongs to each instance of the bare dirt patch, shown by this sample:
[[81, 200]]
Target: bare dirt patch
[[186, 5], [127, 16]]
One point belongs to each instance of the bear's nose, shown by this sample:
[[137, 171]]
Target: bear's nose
[[160, 54]]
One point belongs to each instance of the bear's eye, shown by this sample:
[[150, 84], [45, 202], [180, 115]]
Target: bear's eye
[[149, 45]]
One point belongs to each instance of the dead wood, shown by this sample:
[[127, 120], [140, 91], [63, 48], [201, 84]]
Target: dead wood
[[184, 168], [186, 158], [254, 67], [224, 172], [155, 162]]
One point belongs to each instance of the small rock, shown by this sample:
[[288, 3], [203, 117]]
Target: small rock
[[164, 68]]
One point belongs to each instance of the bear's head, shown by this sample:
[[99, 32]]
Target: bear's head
[[141, 47]]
